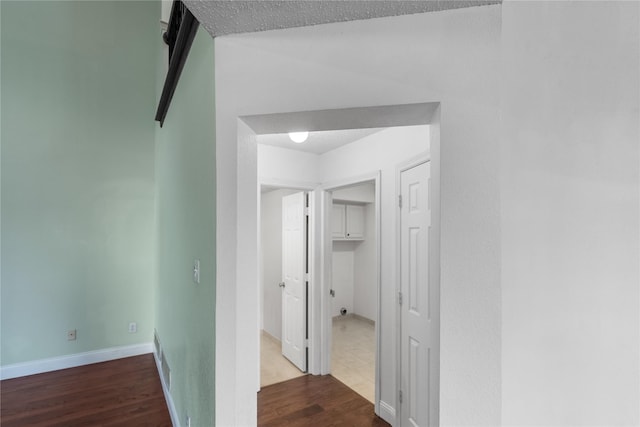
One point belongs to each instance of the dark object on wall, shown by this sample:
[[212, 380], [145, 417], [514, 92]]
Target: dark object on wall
[[343, 311], [180, 33]]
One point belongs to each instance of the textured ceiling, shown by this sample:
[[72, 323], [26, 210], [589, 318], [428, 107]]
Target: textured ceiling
[[220, 17]]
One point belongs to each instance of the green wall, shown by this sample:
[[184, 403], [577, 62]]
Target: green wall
[[185, 207], [103, 212], [77, 175]]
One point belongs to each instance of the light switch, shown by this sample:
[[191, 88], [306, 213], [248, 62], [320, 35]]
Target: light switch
[[196, 271]]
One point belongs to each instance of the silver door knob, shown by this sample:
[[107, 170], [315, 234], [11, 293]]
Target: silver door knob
[[281, 284]]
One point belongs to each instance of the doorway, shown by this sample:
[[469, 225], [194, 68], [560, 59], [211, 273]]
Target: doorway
[[275, 367], [250, 128], [355, 286]]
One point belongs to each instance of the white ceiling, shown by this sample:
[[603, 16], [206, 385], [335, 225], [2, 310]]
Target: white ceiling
[[318, 142], [330, 129], [220, 17], [379, 116]]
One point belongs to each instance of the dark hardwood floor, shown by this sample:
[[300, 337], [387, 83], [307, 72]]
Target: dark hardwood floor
[[127, 392], [314, 401], [124, 392]]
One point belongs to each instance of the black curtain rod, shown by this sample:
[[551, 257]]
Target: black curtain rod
[[180, 33]]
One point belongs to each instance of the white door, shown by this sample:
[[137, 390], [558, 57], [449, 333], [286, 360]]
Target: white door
[[294, 285], [419, 358]]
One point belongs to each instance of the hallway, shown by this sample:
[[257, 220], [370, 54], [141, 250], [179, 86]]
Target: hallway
[[314, 401]]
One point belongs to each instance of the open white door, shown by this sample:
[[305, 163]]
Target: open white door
[[418, 391], [294, 282]]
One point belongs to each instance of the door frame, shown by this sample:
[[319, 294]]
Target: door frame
[[309, 188], [431, 156], [326, 272], [236, 329]]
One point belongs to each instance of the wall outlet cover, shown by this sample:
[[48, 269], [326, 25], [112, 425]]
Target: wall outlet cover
[[196, 271], [71, 335]]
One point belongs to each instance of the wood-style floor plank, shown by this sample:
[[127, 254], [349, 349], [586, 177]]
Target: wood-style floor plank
[[314, 401], [116, 393], [128, 392]]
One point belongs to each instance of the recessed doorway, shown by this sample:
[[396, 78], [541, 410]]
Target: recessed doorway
[[354, 286], [274, 366], [411, 134]]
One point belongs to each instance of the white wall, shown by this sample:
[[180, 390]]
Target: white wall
[[284, 166], [271, 260], [450, 57], [365, 301], [363, 193], [570, 215], [541, 118], [342, 276]]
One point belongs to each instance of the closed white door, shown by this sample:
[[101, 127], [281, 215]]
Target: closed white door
[[294, 295], [417, 352]]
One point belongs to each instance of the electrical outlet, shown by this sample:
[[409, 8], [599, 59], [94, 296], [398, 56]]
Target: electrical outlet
[[133, 327], [71, 335]]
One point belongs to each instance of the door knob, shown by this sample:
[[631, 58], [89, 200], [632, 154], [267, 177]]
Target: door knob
[[281, 284]]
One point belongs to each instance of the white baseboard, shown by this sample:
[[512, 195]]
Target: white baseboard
[[387, 413], [175, 420], [73, 360]]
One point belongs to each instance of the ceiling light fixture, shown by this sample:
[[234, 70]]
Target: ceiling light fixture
[[299, 137]]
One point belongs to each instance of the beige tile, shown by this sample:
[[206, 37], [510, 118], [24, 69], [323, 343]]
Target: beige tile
[[353, 354], [352, 357], [274, 367]]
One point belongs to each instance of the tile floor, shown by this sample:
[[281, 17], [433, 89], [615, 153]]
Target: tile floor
[[353, 354], [274, 367], [352, 357]]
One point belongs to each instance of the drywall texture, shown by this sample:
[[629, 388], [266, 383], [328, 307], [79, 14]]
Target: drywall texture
[[240, 16], [77, 176], [570, 216], [185, 209], [451, 57]]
